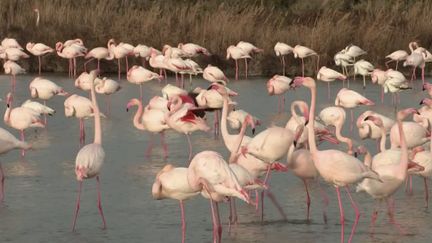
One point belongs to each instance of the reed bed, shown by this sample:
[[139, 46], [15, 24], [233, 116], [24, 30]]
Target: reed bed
[[326, 26]]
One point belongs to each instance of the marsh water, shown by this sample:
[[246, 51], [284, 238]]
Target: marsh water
[[41, 188]]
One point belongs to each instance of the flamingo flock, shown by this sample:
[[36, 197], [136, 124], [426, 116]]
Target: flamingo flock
[[244, 174]]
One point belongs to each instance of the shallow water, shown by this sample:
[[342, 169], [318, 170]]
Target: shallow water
[[41, 189]]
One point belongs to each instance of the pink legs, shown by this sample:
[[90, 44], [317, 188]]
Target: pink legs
[[100, 203], [236, 69], [216, 124], [217, 227], [325, 201], [283, 64], [164, 145], [149, 147], [40, 65], [2, 180], [82, 132], [391, 207], [77, 205], [119, 69], [352, 120], [357, 212], [426, 192], [183, 221], [308, 201], [141, 92], [374, 217], [342, 216], [22, 139], [246, 68]]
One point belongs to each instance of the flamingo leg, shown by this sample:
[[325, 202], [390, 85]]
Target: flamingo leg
[[74, 67], [256, 201], [357, 213], [127, 63], [374, 217], [236, 69], [214, 220], [82, 132], [100, 203], [325, 201], [352, 120], [190, 146], [391, 206], [177, 81], [410, 185], [40, 67], [118, 69], [364, 82], [302, 61], [308, 201], [85, 64], [166, 77], [342, 216], [164, 144], [382, 95], [219, 226], [246, 68], [98, 65], [397, 63], [70, 67], [283, 64], [183, 221], [2, 180], [426, 192], [22, 139], [328, 90], [423, 73], [77, 205], [149, 147], [262, 192], [413, 74]]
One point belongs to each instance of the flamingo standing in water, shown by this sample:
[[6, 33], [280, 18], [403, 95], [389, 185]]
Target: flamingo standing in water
[[107, 87], [71, 52], [363, 68], [396, 56], [303, 52], [143, 52], [152, 120], [416, 59], [249, 49], [8, 142], [236, 53], [140, 75], [329, 75], [343, 60], [172, 182], [79, 107], [379, 76], [209, 172], [156, 60], [353, 51], [193, 50], [12, 68], [13, 54], [11, 43], [21, 118], [98, 53], [350, 99], [281, 49], [39, 49], [336, 167], [118, 52], [214, 74], [279, 85], [90, 158]]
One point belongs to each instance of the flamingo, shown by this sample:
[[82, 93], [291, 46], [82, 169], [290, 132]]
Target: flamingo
[[392, 176], [107, 87], [8, 142], [173, 52], [11, 43], [172, 182], [183, 120], [71, 51], [157, 61], [37, 16], [38, 107], [152, 120], [249, 48], [90, 158], [367, 129], [214, 74], [176, 65], [281, 49], [98, 53], [142, 51], [79, 107], [39, 49], [396, 56], [363, 68], [21, 118], [329, 75], [193, 50], [13, 69], [428, 88], [336, 167], [170, 91], [424, 158], [416, 136], [13, 54], [236, 53], [303, 52], [343, 60], [353, 51], [130, 48], [236, 117], [278, 85], [379, 76], [350, 99], [415, 59], [140, 75], [209, 172], [45, 89], [395, 82], [118, 52], [84, 81]]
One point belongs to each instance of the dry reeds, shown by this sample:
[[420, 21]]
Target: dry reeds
[[326, 26]]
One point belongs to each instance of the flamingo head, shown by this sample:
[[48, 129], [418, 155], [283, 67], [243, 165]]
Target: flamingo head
[[376, 120], [36, 10], [401, 115], [9, 99], [131, 103], [59, 46], [414, 167], [303, 81], [426, 101], [427, 86], [298, 133], [249, 120]]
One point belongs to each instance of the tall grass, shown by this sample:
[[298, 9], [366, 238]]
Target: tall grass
[[326, 26]]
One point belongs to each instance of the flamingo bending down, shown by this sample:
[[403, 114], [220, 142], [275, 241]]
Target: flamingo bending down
[[379, 76], [363, 68], [152, 120], [21, 118], [39, 49], [343, 60], [13, 54], [336, 167], [8, 142], [281, 49], [171, 182], [396, 56], [143, 52], [303, 52], [236, 53], [90, 158], [368, 129], [395, 82], [329, 75], [249, 48], [278, 85], [214, 74], [12, 68], [209, 172]]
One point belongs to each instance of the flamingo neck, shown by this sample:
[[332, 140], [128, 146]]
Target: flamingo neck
[[341, 138], [311, 131], [224, 130], [403, 165], [293, 111], [238, 141], [367, 159], [383, 139], [137, 117], [98, 126]]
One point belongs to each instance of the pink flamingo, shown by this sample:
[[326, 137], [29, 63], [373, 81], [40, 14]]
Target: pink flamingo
[[71, 52], [98, 53], [172, 182], [157, 61], [79, 107], [11, 43], [21, 118], [336, 167], [282, 50], [350, 99], [39, 49], [379, 76], [89, 160], [140, 75], [8, 142], [193, 50], [279, 85], [303, 52], [107, 87], [396, 56], [119, 52], [13, 54], [152, 120], [176, 65], [143, 52], [209, 172], [415, 59], [12, 68], [249, 49], [329, 75], [236, 53], [214, 74]]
